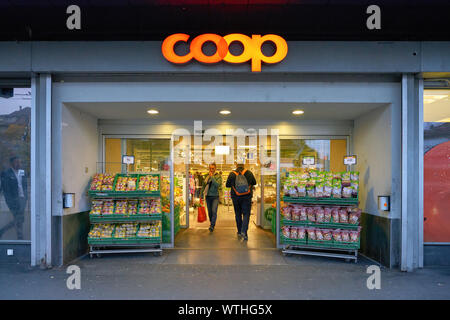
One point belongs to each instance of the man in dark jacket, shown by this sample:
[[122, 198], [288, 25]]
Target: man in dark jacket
[[242, 203], [14, 188]]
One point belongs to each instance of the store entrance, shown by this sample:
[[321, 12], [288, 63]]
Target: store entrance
[[189, 177]]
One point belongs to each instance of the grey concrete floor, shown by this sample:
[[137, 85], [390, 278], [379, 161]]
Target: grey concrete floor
[[219, 266]]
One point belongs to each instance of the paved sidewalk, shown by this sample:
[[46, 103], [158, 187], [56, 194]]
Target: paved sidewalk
[[176, 275]]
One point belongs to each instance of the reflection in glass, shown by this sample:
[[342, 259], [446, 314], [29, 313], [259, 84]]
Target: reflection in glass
[[15, 129]]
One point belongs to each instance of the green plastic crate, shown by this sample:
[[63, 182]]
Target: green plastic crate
[[299, 242], [322, 201], [320, 225]]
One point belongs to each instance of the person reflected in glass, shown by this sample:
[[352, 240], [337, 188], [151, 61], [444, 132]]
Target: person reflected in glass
[[14, 188], [212, 184]]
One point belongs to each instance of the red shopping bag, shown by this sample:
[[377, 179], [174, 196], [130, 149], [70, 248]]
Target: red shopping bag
[[201, 213]]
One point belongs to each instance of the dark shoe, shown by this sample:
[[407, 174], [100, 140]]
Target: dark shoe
[[239, 235], [211, 229], [245, 237]]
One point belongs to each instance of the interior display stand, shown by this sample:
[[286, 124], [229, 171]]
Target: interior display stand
[[133, 244], [343, 250]]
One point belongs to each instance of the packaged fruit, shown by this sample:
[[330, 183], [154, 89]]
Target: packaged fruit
[[96, 207], [121, 207], [108, 207], [96, 184], [132, 207]]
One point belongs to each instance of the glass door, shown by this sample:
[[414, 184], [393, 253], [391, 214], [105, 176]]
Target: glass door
[[151, 155]]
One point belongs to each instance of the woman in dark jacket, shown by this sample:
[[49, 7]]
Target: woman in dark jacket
[[211, 190]]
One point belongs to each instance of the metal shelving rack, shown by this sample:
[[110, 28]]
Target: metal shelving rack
[[321, 248], [98, 246]]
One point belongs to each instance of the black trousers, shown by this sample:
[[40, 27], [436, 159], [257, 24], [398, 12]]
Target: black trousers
[[242, 207]]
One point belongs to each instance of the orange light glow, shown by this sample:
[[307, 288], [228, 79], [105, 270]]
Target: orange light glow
[[252, 49]]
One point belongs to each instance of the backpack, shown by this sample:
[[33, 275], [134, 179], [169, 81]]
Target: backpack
[[241, 187]]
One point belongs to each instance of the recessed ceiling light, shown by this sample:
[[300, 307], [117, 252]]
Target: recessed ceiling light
[[225, 112], [298, 112], [152, 111]]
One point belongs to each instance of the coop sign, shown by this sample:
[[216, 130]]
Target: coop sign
[[251, 49]]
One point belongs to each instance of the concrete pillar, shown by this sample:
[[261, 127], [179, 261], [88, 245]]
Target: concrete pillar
[[412, 173], [41, 162]]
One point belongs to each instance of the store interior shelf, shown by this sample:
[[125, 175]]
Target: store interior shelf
[[124, 218], [323, 201]]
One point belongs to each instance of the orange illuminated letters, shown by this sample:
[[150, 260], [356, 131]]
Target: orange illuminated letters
[[252, 49]]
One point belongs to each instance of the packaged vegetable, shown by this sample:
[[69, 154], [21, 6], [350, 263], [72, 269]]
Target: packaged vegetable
[[355, 187], [311, 233], [294, 233], [327, 235], [286, 211], [311, 215], [327, 190], [286, 231], [345, 235], [337, 235], [320, 214], [354, 216], [319, 190], [347, 192], [335, 214], [354, 235], [354, 175], [303, 214], [310, 192], [301, 190], [327, 215], [319, 235], [343, 215], [301, 233]]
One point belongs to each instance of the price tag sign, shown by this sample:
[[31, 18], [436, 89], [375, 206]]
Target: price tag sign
[[128, 159], [349, 160], [309, 160]]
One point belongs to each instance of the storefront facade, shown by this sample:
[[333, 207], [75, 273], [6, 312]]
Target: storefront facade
[[367, 93]]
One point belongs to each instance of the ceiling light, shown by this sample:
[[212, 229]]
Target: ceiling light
[[298, 112], [225, 112], [152, 111], [220, 150]]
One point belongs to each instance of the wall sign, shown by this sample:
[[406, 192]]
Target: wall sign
[[308, 160], [128, 159], [349, 160], [252, 49]]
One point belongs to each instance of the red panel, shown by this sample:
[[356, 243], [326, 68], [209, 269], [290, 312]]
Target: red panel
[[437, 194]]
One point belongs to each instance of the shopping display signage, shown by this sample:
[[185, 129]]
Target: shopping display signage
[[349, 160], [128, 159], [308, 160], [251, 49]]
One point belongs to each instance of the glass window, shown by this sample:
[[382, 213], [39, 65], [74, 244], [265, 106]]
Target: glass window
[[328, 154], [436, 165], [15, 117]]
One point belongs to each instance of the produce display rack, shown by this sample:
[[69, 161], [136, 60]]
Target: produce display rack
[[343, 250], [98, 246]]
